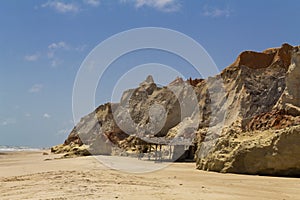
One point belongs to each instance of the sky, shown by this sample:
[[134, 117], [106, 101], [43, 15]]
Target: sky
[[44, 43]]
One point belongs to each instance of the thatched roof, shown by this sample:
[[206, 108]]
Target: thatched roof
[[166, 141]]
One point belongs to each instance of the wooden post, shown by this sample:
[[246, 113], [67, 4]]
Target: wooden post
[[160, 153], [149, 153], [170, 152], [155, 152]]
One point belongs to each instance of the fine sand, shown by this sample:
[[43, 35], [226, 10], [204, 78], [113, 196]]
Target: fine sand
[[32, 175]]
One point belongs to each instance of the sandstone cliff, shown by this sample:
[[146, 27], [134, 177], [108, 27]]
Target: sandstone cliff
[[264, 137], [244, 120]]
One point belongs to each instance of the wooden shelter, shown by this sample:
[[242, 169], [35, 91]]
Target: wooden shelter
[[179, 148]]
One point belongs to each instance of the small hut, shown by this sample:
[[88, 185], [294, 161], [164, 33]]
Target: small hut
[[177, 149]]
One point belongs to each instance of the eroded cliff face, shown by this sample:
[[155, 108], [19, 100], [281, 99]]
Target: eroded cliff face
[[290, 99], [247, 117], [148, 111], [267, 138]]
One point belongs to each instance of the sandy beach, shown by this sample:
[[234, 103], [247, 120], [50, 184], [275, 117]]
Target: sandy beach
[[32, 175]]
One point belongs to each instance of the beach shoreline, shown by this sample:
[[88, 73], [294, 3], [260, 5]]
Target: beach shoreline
[[41, 175]]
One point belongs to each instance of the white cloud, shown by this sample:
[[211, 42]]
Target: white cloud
[[52, 48], [46, 116], [161, 5], [31, 58], [58, 45], [94, 3], [216, 12], [36, 88], [62, 7], [28, 115], [8, 121]]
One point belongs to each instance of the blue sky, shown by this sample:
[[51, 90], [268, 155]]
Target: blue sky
[[43, 43]]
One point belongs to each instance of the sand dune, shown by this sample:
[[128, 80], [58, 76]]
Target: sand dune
[[32, 175]]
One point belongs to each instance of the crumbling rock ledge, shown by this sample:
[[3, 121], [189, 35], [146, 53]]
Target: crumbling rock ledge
[[270, 152]]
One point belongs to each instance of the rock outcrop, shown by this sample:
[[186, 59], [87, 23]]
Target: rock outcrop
[[257, 60], [148, 111], [263, 136], [270, 152], [290, 99], [244, 120]]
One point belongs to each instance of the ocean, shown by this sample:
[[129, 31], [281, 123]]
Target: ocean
[[4, 148]]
